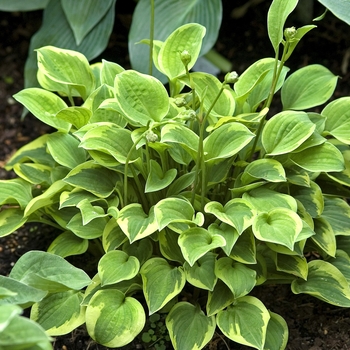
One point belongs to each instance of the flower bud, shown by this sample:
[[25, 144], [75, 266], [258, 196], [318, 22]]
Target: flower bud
[[185, 57], [289, 33], [151, 136], [231, 77], [180, 102]]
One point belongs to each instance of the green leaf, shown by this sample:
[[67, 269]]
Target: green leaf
[[59, 313], [342, 263], [113, 236], [8, 312], [337, 213], [142, 249], [112, 319], [237, 320], [322, 158], [36, 174], [229, 234], [90, 230], [196, 242], [93, 178], [189, 328], [338, 8], [44, 105], [205, 12], [202, 274], [308, 87], [276, 18], [338, 119], [280, 225], [48, 272], [140, 98], [324, 237], [286, 131], [267, 169], [19, 5], [68, 244], [277, 333], [135, 223], [116, 266], [244, 249], [226, 141], [157, 180], [219, 298], [239, 278], [83, 16], [64, 149], [292, 264], [15, 191], [108, 72], [11, 220], [161, 282], [237, 213], [325, 282]]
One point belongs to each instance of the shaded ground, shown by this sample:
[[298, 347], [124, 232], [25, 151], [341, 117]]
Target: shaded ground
[[313, 325]]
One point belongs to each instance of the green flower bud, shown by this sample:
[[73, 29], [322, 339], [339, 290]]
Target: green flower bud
[[151, 136], [231, 77], [180, 101], [185, 57], [290, 33]]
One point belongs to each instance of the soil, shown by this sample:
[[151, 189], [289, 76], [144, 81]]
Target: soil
[[313, 325]]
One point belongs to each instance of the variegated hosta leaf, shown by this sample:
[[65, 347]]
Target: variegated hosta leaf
[[67, 244], [15, 191], [325, 282], [239, 278], [112, 319], [196, 242], [157, 179], [161, 282], [229, 234], [286, 131], [237, 320], [202, 273], [169, 246], [293, 264], [142, 249], [113, 236], [92, 229], [277, 333], [59, 313], [244, 250], [267, 169], [75, 115], [189, 328], [342, 263], [219, 298], [135, 223], [279, 225], [324, 237], [238, 213], [11, 220], [116, 266]]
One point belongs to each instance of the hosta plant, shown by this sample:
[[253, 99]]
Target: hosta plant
[[183, 199]]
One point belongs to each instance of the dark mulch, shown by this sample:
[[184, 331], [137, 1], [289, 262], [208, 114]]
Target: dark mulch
[[313, 325]]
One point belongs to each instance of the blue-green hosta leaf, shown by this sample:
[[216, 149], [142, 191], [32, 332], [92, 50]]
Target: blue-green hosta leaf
[[237, 320], [48, 272], [19, 5], [267, 169], [229, 234], [161, 282], [308, 87], [69, 68], [112, 319], [311, 198], [189, 328], [196, 242], [188, 38], [108, 72], [10, 220], [238, 277], [277, 16], [286, 131], [338, 119], [202, 273], [16, 191], [205, 12], [325, 282], [219, 298], [226, 141], [23, 333], [64, 149], [169, 247], [59, 313], [44, 105], [292, 264], [140, 98], [322, 158], [93, 178], [264, 199], [157, 180], [277, 333], [338, 8], [280, 225], [83, 16], [208, 88], [111, 139], [324, 237], [237, 213], [337, 213], [56, 31], [19, 293], [135, 223], [67, 244], [116, 266]]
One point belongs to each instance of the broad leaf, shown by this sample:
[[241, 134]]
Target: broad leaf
[[324, 237], [337, 213], [19, 5], [67, 244], [196, 329], [157, 180], [219, 298], [15, 191], [338, 8], [267, 169], [11, 220], [277, 333]]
